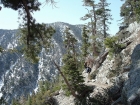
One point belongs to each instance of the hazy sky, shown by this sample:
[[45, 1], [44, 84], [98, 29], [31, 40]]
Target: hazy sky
[[69, 11]]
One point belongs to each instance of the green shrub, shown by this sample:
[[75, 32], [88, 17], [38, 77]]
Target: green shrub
[[113, 45]]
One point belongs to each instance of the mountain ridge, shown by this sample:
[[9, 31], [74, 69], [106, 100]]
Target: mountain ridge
[[19, 77]]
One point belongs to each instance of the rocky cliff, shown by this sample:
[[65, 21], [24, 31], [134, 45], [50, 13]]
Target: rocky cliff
[[120, 73]]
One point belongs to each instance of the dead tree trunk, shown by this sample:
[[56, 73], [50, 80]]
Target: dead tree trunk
[[101, 59]]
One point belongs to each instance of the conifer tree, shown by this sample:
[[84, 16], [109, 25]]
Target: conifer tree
[[136, 4], [25, 9], [70, 61], [29, 102], [85, 41], [93, 23], [127, 12], [14, 102], [105, 16], [33, 35], [130, 11], [36, 43], [2, 101]]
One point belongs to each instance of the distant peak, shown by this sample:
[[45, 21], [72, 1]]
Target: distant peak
[[65, 23]]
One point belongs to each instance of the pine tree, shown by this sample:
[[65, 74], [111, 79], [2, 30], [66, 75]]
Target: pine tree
[[29, 102], [15, 102], [85, 41], [2, 101], [127, 12], [36, 43], [25, 9], [136, 4], [105, 16], [70, 67], [130, 11], [93, 22]]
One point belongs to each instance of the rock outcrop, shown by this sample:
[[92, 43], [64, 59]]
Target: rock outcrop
[[121, 72], [62, 99], [119, 64], [131, 89]]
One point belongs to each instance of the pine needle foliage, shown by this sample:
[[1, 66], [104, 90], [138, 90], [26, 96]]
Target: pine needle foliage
[[113, 45], [70, 66], [1, 49], [130, 11], [25, 9], [36, 43], [85, 41]]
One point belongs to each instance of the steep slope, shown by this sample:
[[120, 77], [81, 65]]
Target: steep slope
[[121, 72], [18, 76], [112, 66], [117, 79]]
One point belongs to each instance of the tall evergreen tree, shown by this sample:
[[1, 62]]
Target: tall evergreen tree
[[36, 43], [93, 22], [127, 12], [70, 66], [130, 11], [36, 36], [25, 9], [105, 16], [85, 41], [70, 42], [136, 4]]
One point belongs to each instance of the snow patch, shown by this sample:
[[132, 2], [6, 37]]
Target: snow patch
[[1, 84], [9, 46]]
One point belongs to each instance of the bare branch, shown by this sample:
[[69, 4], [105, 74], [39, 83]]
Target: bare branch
[[52, 2]]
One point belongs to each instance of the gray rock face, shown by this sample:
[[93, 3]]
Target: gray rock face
[[131, 89], [18, 77], [112, 66], [125, 69], [62, 99]]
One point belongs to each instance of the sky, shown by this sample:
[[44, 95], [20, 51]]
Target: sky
[[69, 11]]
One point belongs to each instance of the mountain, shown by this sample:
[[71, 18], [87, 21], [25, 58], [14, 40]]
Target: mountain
[[19, 77]]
